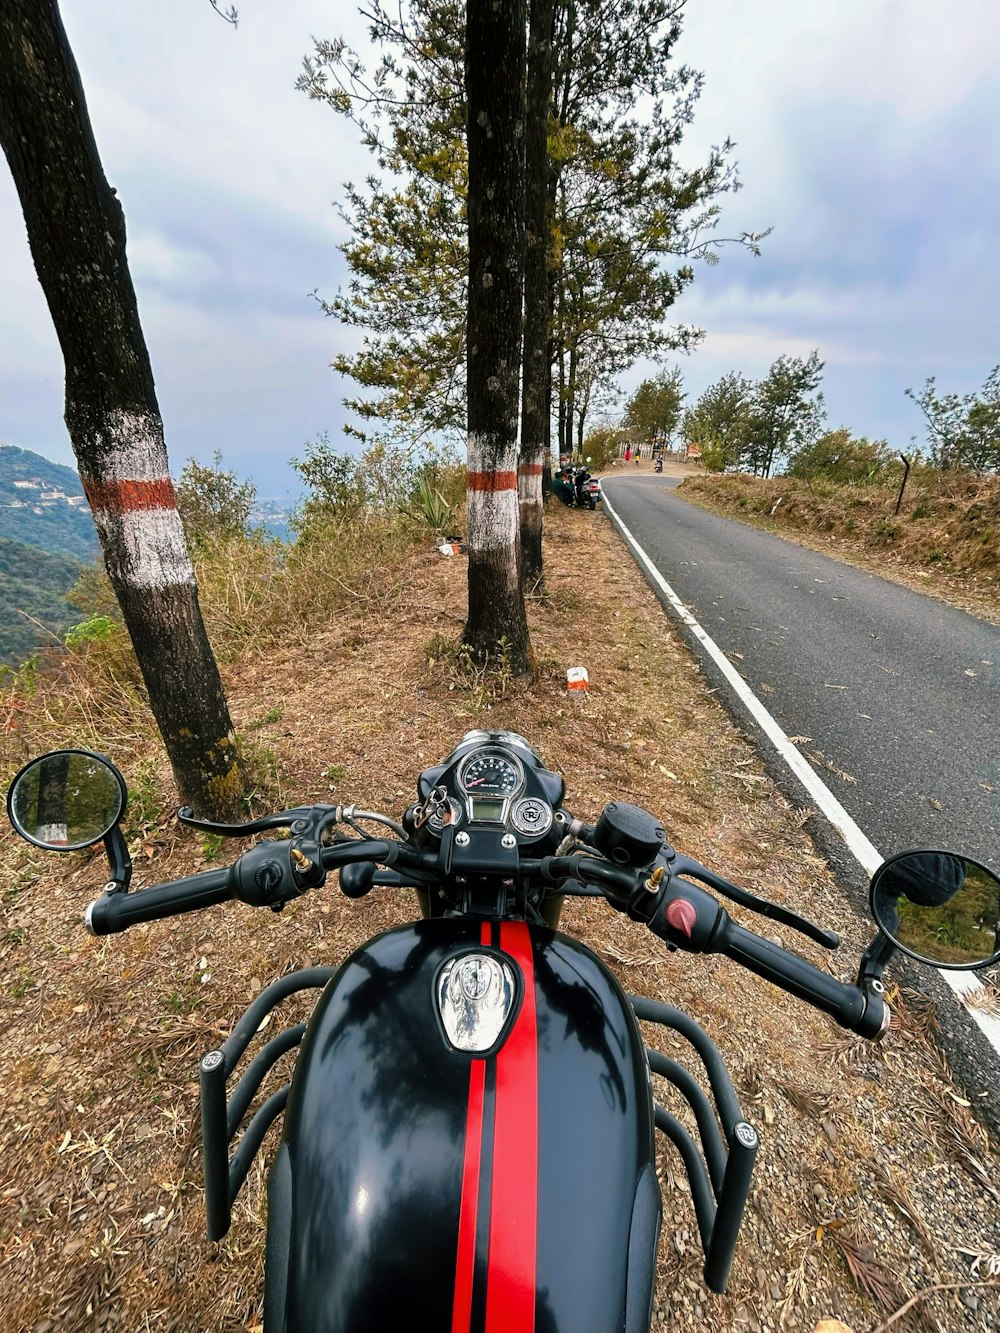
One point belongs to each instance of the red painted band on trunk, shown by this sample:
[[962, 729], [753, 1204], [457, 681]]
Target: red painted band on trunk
[[461, 1314], [531, 469], [491, 481], [129, 496], [510, 1290]]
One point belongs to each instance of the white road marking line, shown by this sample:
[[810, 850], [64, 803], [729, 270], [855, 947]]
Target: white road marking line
[[861, 848]]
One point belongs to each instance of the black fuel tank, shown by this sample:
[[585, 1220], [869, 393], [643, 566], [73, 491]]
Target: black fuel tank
[[424, 1187]]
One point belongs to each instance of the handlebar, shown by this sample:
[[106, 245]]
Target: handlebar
[[266, 875], [680, 912], [687, 917], [862, 1011], [116, 911]]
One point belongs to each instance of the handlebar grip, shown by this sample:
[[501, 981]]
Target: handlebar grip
[[115, 912], [863, 1012]]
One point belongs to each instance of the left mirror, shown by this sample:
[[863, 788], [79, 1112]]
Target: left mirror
[[66, 800]]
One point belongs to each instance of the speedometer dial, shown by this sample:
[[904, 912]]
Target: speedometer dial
[[491, 774]]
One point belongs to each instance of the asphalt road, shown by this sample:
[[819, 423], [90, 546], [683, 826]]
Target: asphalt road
[[898, 694]]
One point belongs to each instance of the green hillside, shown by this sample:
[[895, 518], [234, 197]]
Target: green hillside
[[33, 583], [42, 504]]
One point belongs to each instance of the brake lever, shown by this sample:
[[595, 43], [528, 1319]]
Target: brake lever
[[685, 865]]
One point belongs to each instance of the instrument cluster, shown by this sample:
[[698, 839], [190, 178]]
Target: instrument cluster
[[492, 780]]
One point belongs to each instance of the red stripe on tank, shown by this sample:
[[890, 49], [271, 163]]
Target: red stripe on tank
[[510, 1291], [461, 1314], [129, 496]]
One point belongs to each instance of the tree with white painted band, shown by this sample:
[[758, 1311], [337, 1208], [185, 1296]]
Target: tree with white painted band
[[76, 230], [494, 80]]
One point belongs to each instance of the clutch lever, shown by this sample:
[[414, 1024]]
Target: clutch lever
[[299, 820]]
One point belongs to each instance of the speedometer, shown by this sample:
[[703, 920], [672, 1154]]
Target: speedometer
[[490, 773]]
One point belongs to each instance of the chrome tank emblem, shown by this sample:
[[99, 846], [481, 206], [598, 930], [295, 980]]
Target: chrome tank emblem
[[475, 994]]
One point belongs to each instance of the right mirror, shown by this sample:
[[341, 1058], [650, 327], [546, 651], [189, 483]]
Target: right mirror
[[940, 908]]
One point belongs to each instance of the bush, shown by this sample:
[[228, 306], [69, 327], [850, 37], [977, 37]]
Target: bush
[[213, 505], [885, 532], [602, 446], [838, 457], [92, 630], [430, 505]]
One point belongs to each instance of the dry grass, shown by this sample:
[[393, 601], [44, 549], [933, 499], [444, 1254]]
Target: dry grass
[[945, 541], [103, 1225]]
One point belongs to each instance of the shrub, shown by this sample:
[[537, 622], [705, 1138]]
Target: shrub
[[92, 630], [885, 532], [838, 457], [430, 505], [602, 446], [213, 504]]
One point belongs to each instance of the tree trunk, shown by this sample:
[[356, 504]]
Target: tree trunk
[[571, 400], [497, 626], [537, 374], [76, 230], [581, 415], [561, 414]]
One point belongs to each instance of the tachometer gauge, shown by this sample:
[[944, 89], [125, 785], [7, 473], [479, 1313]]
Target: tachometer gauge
[[490, 773]]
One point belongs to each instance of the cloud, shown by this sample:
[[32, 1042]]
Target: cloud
[[227, 176], [865, 138]]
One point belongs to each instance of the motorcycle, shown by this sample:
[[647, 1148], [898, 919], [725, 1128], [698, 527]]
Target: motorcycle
[[468, 1134], [658, 465]]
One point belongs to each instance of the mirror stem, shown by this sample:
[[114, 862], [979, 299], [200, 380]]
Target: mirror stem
[[874, 959], [119, 861]]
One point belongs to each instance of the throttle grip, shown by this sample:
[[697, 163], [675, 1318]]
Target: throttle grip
[[862, 1011], [687, 917]]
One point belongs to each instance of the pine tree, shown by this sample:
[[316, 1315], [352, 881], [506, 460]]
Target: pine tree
[[494, 80]]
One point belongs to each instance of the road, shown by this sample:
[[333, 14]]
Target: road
[[892, 697], [895, 696]]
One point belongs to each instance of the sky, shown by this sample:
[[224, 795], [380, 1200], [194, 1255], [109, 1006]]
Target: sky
[[866, 136]]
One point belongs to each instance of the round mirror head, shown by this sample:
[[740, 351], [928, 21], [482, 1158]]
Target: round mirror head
[[939, 908], [66, 800]]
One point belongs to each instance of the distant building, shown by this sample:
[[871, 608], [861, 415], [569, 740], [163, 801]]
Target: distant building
[[26, 485]]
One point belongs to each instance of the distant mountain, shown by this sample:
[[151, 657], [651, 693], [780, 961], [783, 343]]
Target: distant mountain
[[46, 536], [42, 504], [274, 516], [34, 584]]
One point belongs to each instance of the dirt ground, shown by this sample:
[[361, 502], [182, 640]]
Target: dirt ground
[[672, 467], [874, 1184]]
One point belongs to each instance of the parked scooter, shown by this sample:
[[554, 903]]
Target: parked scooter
[[468, 1136], [588, 489], [576, 487]]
